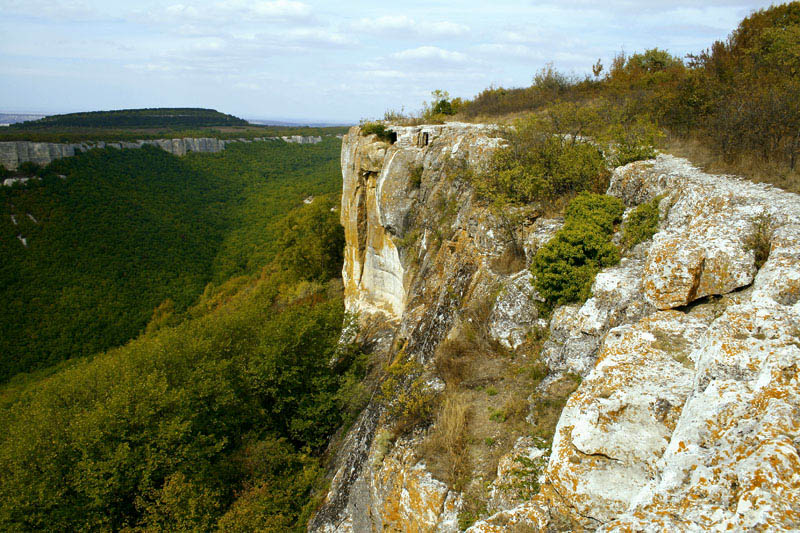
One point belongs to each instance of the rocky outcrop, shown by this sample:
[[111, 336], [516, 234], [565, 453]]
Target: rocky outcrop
[[687, 416], [12, 154], [382, 187]]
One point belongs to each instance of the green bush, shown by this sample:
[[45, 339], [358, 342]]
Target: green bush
[[642, 223], [635, 141], [599, 210], [409, 400], [548, 167], [378, 129], [416, 177], [566, 266]]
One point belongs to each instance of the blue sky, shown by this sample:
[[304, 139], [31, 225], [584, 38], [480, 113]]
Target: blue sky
[[325, 61]]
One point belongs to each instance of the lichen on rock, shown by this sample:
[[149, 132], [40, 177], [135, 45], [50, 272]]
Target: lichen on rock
[[687, 416]]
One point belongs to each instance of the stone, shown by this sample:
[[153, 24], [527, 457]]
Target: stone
[[701, 249], [514, 313], [732, 460], [618, 423], [576, 332], [687, 417], [505, 492]]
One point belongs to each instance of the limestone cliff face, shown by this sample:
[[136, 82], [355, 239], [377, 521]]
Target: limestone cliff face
[[12, 154], [687, 417]]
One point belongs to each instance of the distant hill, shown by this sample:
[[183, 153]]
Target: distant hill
[[296, 124], [181, 117], [13, 118]]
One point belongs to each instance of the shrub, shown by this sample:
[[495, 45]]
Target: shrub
[[566, 266], [407, 397], [551, 167], [416, 177], [440, 107], [4, 172], [642, 223], [545, 158], [377, 129], [599, 210], [634, 142]]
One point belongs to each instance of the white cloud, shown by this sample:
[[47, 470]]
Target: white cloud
[[233, 12], [403, 26], [271, 8], [50, 9], [319, 36], [510, 50], [431, 53]]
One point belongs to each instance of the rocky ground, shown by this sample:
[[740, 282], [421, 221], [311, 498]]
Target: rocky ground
[[678, 378]]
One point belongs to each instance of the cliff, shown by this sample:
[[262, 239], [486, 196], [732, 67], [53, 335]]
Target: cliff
[[669, 400], [12, 154]]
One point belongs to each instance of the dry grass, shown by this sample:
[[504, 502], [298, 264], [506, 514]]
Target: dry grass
[[512, 260], [547, 407], [750, 167], [447, 438], [453, 361]]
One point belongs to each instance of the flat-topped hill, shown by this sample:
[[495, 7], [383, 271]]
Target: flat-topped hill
[[179, 117]]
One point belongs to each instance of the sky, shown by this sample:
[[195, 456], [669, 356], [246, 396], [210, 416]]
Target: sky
[[321, 61]]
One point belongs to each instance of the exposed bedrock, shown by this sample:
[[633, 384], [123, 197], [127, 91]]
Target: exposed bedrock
[[687, 416], [14, 153]]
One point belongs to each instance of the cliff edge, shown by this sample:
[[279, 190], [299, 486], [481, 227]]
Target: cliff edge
[[14, 153], [669, 400]]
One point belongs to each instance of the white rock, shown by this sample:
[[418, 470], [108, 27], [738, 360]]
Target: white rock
[[514, 313]]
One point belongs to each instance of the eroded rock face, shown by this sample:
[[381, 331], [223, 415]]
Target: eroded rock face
[[702, 248], [616, 427], [12, 154], [688, 421], [576, 332], [416, 253], [382, 185], [514, 313], [688, 414]]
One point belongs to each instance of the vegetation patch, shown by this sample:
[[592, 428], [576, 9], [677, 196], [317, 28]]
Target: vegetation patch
[[378, 129], [409, 400], [216, 423], [474, 506], [641, 224], [415, 177], [544, 159], [447, 438], [564, 268], [134, 118], [129, 230], [758, 239]]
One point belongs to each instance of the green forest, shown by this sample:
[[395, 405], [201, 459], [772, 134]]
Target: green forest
[[216, 415], [129, 230], [156, 123], [135, 118]]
